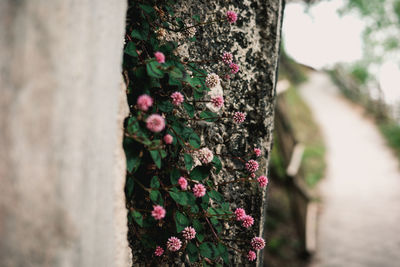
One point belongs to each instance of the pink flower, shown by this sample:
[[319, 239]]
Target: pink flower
[[183, 183], [177, 98], [217, 101], [173, 243], [252, 166], [155, 123], [234, 68], [144, 102], [189, 233], [160, 58], [227, 58], [262, 180], [239, 117], [240, 214], [247, 221], [253, 175], [212, 80], [168, 139], [251, 256], [231, 16], [159, 251], [227, 77], [257, 151], [158, 212], [205, 155], [257, 243], [199, 190]]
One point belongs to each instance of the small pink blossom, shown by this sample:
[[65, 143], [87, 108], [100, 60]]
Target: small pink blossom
[[212, 80], [251, 256], [144, 102], [252, 166], [189, 233], [227, 77], [174, 244], [168, 139], [160, 58], [240, 214], [227, 58], [205, 155], [247, 221], [217, 101], [199, 190], [231, 16], [158, 212], [183, 183], [262, 180], [177, 98], [159, 251], [155, 123], [257, 243], [239, 117], [257, 151], [253, 175], [234, 68]]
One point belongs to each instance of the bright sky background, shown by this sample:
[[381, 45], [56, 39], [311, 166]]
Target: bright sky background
[[320, 38]]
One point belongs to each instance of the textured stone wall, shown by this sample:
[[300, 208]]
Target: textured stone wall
[[62, 167], [254, 41]]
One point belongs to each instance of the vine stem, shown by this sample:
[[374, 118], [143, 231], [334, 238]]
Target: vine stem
[[212, 228], [141, 185]]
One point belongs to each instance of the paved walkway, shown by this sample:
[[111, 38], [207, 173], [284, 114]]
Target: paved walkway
[[359, 224]]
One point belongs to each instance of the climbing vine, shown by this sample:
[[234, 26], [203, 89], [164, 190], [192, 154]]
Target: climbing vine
[[175, 206]]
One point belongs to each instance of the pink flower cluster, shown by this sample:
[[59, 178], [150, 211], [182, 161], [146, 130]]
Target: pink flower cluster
[[155, 123], [177, 98], [158, 212], [168, 139], [239, 117], [189, 233], [159, 251], [262, 180], [257, 151], [251, 256], [199, 190], [217, 101], [252, 165], [227, 58], [205, 155], [144, 102], [234, 67], [160, 58], [183, 183], [240, 214], [231, 16], [247, 221], [257, 243], [174, 244]]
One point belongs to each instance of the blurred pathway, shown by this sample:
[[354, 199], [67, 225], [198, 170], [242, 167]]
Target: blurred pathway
[[359, 224]]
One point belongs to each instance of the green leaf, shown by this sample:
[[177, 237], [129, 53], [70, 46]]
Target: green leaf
[[200, 173], [196, 18], [179, 197], [223, 252], [188, 161], [208, 116], [194, 140], [194, 208], [198, 226], [130, 184], [155, 154], [131, 49], [216, 195], [174, 176], [200, 237], [153, 71], [133, 158], [198, 95], [189, 109], [147, 9], [193, 252], [176, 73], [165, 106], [181, 221], [191, 199], [208, 250], [217, 164], [137, 216], [136, 34], [156, 197], [154, 183]]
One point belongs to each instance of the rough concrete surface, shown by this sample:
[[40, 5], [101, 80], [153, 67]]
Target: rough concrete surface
[[62, 167], [359, 223]]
